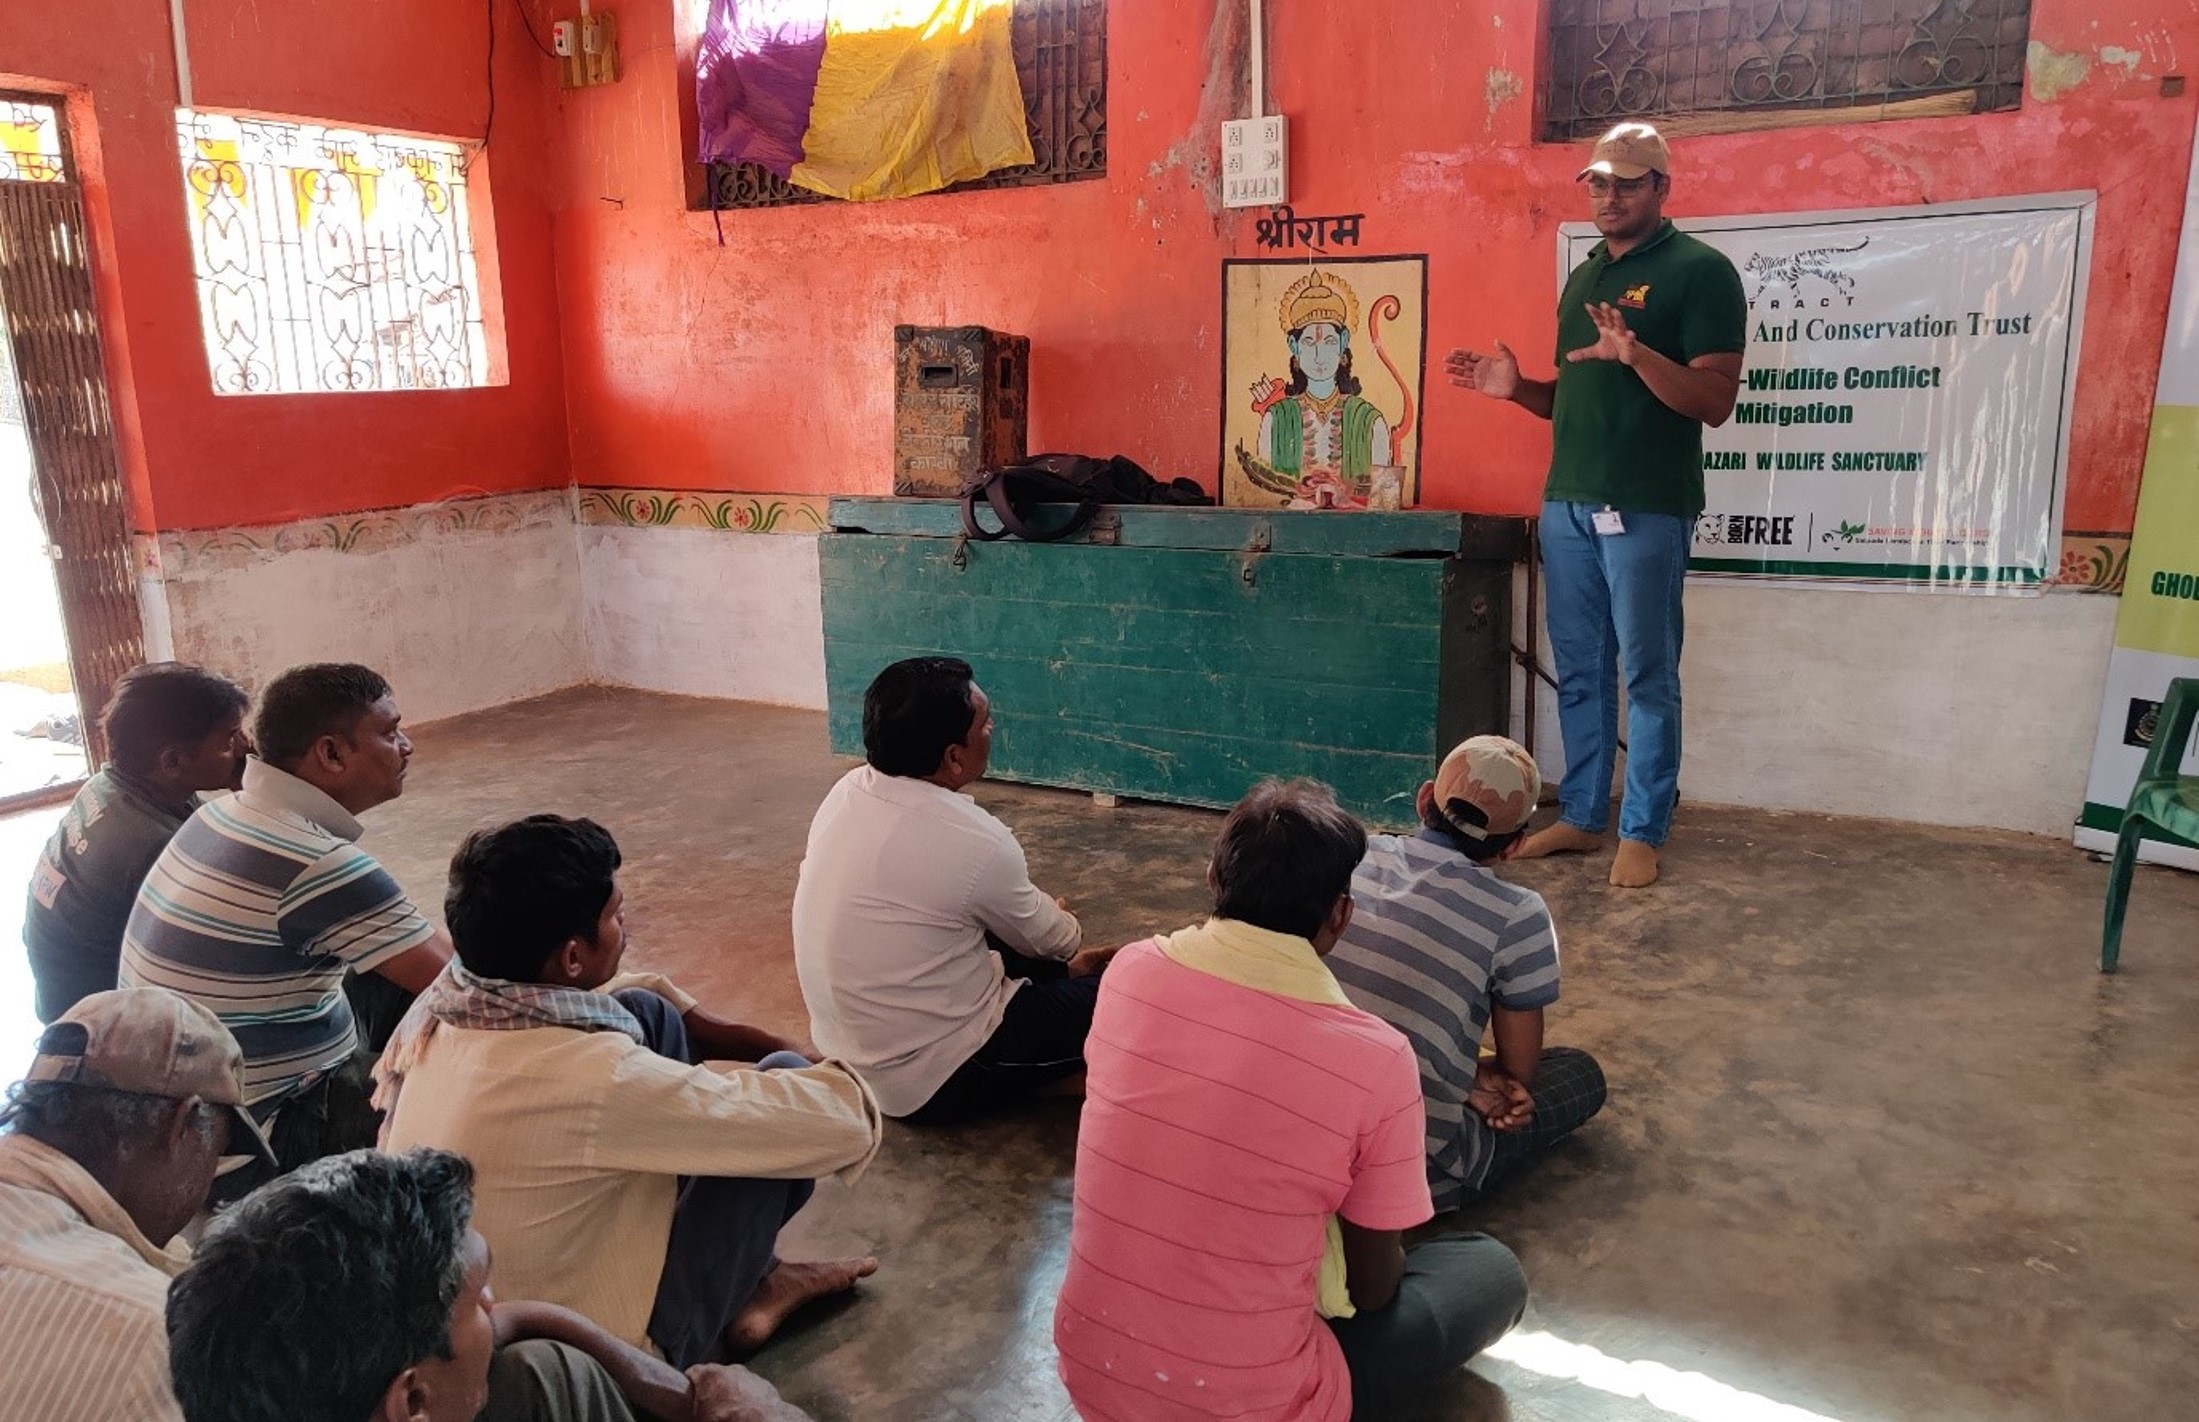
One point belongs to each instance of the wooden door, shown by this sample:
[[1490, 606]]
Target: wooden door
[[52, 327]]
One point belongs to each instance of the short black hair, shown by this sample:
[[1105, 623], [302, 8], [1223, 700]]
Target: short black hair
[[1481, 851], [163, 704], [310, 1296], [309, 702], [520, 890], [1285, 856], [915, 710]]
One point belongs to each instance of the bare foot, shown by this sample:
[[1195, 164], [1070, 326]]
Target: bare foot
[[786, 1288], [1634, 866], [1560, 838]]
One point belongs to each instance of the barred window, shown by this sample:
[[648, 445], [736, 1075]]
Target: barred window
[[1061, 60], [329, 259], [1782, 61]]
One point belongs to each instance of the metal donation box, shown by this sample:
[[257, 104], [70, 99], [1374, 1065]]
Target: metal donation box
[[961, 403], [1182, 654]]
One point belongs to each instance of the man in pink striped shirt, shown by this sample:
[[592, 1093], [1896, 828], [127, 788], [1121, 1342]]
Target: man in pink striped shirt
[[1251, 1152]]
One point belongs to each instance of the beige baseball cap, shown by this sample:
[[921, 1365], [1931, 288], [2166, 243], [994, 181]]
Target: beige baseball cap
[[1489, 779], [151, 1042], [1628, 151]]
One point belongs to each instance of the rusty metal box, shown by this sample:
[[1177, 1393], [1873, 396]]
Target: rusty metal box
[[961, 403]]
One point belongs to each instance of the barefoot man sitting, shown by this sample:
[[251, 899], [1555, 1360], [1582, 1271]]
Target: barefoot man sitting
[[631, 1165]]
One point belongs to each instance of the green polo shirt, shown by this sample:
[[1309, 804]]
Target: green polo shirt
[[1613, 442]]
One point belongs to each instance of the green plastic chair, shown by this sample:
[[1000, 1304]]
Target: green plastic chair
[[2162, 798]]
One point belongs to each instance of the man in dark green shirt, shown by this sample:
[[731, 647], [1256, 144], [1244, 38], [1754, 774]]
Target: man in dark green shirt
[[1650, 334], [173, 731]]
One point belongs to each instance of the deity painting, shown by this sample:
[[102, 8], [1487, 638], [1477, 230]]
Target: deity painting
[[1322, 369]]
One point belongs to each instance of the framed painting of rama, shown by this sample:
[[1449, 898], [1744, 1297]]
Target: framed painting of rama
[[1322, 367]]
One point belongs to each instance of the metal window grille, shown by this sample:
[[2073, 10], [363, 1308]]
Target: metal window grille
[[331, 260], [30, 143], [1611, 60], [1061, 59]]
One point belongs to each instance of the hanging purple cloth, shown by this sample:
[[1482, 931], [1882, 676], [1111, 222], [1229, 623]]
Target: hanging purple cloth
[[755, 77]]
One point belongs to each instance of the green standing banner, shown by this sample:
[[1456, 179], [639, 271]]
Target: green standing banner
[[2157, 628]]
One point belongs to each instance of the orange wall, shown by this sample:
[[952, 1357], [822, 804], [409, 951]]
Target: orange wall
[[765, 363], [198, 460]]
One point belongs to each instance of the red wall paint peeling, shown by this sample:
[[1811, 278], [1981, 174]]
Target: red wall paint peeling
[[765, 363], [194, 459]]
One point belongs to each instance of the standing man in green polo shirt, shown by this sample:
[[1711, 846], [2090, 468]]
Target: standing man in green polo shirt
[[1650, 333]]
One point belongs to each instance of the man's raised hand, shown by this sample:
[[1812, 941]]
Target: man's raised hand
[[1495, 374], [1614, 341]]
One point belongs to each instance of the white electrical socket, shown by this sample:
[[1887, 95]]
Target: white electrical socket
[[562, 38], [1256, 162]]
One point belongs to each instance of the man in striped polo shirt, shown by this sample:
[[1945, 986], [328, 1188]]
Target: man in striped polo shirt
[[1440, 948], [263, 902]]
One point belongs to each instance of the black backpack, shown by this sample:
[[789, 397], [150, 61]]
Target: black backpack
[[1015, 492]]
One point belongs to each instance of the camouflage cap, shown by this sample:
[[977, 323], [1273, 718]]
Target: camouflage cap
[[149, 1041], [1487, 787]]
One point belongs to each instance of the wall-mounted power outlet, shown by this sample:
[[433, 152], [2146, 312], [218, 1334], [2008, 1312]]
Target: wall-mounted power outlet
[[565, 38], [1256, 162]]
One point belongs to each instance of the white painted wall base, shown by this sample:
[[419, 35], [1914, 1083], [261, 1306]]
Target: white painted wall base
[[705, 613], [1945, 709], [1935, 708], [458, 618]]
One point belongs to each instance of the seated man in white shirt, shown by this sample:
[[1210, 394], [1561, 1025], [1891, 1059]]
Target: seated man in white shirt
[[628, 1168], [929, 961]]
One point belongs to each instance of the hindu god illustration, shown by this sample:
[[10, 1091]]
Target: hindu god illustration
[[1320, 438]]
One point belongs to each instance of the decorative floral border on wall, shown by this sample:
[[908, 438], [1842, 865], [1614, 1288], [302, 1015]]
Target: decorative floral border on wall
[[177, 552], [2092, 563], [201, 550], [688, 508]]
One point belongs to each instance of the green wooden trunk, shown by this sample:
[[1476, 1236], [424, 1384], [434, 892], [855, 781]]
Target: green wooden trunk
[[1182, 654]]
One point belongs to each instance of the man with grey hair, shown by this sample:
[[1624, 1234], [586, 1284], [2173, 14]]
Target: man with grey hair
[[111, 1145], [1651, 330], [356, 1290]]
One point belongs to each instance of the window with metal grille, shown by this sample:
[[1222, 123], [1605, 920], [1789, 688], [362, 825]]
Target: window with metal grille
[[330, 259], [1061, 59], [1611, 60]]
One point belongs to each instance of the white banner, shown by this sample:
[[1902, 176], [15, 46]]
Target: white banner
[[1904, 410]]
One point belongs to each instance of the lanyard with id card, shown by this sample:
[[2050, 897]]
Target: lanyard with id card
[[1607, 522]]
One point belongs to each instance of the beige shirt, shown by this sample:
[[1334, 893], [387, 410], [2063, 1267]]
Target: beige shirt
[[900, 884], [83, 1294], [578, 1138]]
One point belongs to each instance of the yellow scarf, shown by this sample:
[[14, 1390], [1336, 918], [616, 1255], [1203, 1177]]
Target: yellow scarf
[[1286, 966]]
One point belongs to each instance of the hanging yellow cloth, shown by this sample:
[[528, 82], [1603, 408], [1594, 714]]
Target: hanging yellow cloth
[[912, 96]]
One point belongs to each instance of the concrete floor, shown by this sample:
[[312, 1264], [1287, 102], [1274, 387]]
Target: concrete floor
[[1882, 1144]]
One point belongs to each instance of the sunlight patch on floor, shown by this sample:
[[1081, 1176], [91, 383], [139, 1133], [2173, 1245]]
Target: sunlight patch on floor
[[1689, 1395]]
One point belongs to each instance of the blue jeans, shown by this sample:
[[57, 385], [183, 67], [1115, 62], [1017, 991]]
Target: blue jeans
[[1616, 598]]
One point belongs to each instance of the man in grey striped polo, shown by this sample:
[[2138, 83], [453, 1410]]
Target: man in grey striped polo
[[1442, 949], [263, 902]]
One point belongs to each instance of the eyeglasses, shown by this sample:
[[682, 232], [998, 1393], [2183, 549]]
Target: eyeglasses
[[1602, 186]]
